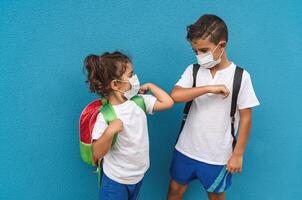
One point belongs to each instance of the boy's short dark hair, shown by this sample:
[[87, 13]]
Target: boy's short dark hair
[[208, 26]]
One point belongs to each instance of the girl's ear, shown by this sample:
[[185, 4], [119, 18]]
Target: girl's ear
[[114, 85]]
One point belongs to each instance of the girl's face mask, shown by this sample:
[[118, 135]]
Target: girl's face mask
[[135, 86], [207, 61]]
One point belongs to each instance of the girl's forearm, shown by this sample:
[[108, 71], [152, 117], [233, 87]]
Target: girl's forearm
[[101, 146]]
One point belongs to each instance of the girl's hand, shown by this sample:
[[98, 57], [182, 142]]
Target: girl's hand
[[144, 88], [116, 126], [219, 89], [235, 163]]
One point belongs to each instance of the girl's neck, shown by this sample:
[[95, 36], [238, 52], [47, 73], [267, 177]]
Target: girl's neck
[[115, 98]]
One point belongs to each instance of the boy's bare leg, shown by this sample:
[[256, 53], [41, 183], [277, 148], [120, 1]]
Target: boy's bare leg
[[216, 196], [176, 190]]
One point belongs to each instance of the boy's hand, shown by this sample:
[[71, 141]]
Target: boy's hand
[[144, 88], [116, 126], [235, 163], [219, 89]]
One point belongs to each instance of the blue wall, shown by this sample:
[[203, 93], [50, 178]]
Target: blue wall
[[42, 47]]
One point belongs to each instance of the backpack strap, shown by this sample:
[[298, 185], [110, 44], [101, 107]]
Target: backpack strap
[[139, 100], [109, 115], [189, 103], [104, 100], [236, 88]]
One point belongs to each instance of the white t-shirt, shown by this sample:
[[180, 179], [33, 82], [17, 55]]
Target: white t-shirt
[[206, 135], [128, 160]]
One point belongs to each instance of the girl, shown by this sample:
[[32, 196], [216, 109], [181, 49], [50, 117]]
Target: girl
[[125, 163]]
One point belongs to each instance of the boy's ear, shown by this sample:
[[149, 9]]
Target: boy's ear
[[223, 44]]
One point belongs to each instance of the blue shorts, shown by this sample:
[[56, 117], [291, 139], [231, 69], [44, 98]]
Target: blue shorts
[[112, 190], [214, 178]]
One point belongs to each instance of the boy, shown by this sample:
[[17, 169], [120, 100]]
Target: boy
[[204, 149]]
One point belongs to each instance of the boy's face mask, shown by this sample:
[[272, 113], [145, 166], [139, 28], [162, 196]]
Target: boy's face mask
[[207, 61], [135, 86]]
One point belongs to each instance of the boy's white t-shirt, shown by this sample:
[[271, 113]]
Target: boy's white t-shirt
[[206, 135], [128, 160]]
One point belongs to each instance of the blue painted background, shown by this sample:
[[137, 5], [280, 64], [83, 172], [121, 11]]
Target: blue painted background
[[42, 47]]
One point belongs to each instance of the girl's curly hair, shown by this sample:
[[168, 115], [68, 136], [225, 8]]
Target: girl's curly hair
[[101, 70]]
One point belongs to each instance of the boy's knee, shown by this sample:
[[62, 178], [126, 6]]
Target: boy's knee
[[216, 196], [176, 190]]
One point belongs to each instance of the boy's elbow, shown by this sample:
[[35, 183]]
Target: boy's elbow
[[175, 97], [177, 94]]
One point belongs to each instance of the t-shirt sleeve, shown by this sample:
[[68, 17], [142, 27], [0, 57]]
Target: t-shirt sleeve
[[149, 102], [186, 80], [99, 127], [247, 97]]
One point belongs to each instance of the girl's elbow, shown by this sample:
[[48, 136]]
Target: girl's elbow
[[170, 103]]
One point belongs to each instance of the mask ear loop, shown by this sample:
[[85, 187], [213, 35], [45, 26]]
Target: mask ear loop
[[121, 80], [215, 48], [121, 91], [220, 53]]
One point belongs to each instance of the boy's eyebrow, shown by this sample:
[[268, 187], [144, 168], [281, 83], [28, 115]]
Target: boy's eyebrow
[[205, 48]]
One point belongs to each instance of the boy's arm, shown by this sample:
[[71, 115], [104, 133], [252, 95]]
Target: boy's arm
[[102, 145], [236, 160], [163, 102], [180, 94]]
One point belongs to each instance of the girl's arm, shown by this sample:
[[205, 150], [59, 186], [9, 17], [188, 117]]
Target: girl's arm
[[163, 102], [180, 94], [102, 145]]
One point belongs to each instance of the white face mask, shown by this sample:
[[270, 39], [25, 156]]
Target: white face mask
[[207, 61], [135, 86]]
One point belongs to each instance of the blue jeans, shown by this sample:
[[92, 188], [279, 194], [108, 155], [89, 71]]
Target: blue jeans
[[112, 190]]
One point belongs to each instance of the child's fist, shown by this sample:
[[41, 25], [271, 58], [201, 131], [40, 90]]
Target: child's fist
[[116, 126], [144, 88], [235, 164], [220, 89]]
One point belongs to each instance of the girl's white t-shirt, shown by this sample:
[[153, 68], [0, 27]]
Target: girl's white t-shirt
[[206, 135], [128, 160]]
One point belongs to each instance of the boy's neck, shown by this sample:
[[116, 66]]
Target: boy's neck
[[116, 99], [223, 64]]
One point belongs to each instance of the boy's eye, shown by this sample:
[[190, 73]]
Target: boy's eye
[[203, 50], [194, 51], [200, 51]]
